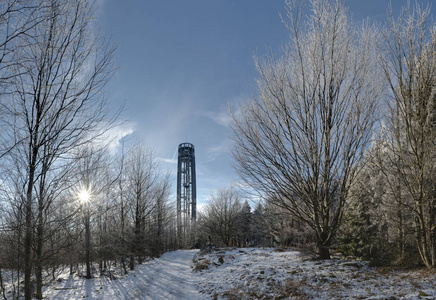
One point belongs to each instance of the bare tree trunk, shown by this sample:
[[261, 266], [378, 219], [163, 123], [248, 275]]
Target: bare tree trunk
[[432, 224], [2, 284], [137, 244], [123, 241], [122, 237], [28, 238], [401, 237], [87, 242], [132, 262], [38, 253]]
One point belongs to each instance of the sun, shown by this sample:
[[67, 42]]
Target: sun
[[84, 196]]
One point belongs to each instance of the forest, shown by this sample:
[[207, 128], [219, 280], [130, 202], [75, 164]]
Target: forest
[[336, 151]]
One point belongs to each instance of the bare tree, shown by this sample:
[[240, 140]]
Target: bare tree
[[161, 214], [17, 17], [123, 207], [298, 143], [53, 180], [143, 178], [56, 97], [91, 173], [12, 232], [105, 217], [410, 68], [222, 217]]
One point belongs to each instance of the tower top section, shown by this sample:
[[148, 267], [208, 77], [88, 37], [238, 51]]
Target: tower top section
[[186, 150], [186, 145]]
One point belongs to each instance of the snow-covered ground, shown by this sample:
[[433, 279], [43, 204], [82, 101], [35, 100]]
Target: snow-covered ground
[[248, 273]]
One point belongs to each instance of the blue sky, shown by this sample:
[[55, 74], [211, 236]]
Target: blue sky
[[181, 63]]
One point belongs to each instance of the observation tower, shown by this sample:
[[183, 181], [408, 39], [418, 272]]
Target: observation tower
[[186, 194]]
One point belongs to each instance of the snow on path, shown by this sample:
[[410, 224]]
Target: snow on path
[[169, 277]]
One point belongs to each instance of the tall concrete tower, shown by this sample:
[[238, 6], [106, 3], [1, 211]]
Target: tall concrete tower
[[186, 194]]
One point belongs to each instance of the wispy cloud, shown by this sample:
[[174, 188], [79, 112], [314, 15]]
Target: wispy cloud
[[221, 118], [114, 135], [172, 161], [221, 148], [217, 150], [224, 116]]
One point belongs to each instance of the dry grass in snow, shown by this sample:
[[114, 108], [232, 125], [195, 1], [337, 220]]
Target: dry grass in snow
[[251, 273]]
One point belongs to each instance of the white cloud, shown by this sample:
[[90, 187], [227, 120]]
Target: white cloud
[[224, 116], [215, 151], [220, 118], [201, 208], [113, 136], [172, 161], [222, 148]]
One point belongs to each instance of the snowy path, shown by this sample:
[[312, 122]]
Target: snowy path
[[169, 277]]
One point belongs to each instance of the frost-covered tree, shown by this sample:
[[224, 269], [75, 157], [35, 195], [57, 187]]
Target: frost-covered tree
[[274, 226], [246, 230], [409, 63], [146, 189], [299, 142], [161, 217], [221, 218], [364, 232], [260, 233]]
